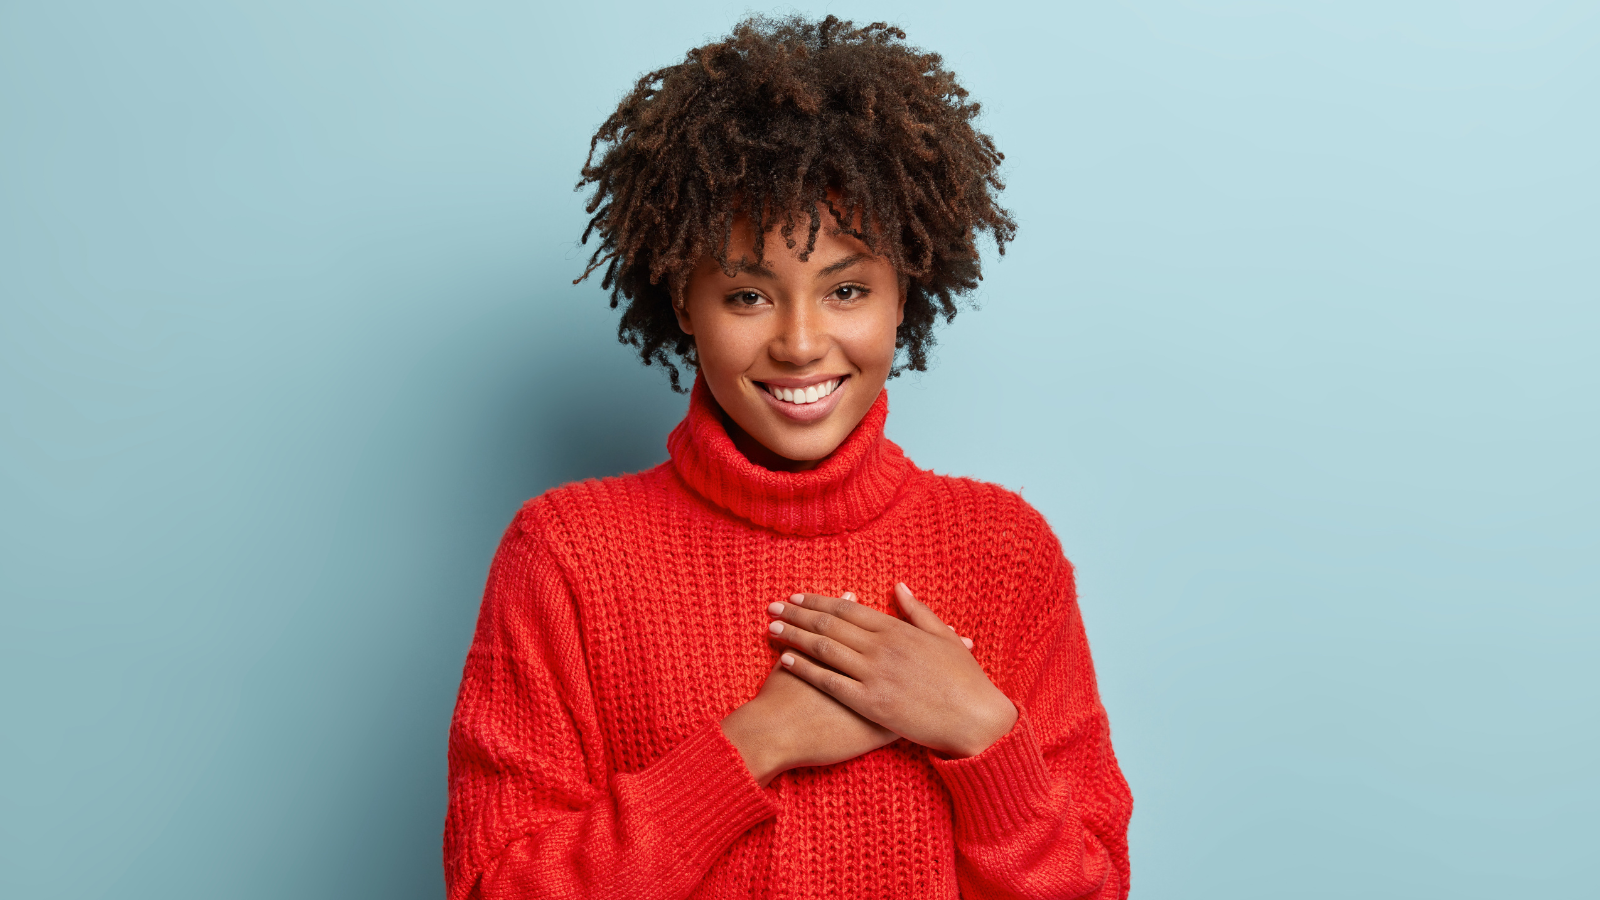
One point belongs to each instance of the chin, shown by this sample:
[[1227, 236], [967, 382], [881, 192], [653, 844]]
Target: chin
[[809, 449]]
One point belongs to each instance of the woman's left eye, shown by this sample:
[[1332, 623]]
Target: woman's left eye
[[850, 292]]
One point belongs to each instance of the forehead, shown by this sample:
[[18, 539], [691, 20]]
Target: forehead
[[742, 240], [831, 240], [833, 255]]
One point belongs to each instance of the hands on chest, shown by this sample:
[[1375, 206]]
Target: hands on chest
[[853, 679]]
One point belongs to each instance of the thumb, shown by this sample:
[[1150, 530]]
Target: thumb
[[918, 614]]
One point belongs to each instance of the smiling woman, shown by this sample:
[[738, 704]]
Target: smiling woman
[[713, 678]]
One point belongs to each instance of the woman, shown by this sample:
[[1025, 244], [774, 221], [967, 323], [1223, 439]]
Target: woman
[[786, 662]]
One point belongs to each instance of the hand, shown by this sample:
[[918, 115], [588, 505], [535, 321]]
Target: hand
[[915, 677], [789, 724]]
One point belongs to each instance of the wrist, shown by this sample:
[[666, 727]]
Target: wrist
[[995, 723], [759, 746]]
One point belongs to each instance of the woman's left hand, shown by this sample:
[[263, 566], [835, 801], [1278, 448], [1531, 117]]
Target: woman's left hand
[[915, 677]]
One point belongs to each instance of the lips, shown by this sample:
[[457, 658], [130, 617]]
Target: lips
[[803, 395], [804, 402]]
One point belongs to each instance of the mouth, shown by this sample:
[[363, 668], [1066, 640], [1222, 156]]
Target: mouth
[[801, 396], [804, 403]]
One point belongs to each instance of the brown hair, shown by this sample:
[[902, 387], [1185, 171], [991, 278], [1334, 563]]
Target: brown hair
[[761, 124]]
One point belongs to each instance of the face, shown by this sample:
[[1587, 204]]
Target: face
[[794, 352]]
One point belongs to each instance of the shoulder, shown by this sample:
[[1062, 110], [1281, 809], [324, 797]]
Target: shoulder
[[982, 508], [586, 508], [600, 526], [558, 546], [986, 517], [568, 537]]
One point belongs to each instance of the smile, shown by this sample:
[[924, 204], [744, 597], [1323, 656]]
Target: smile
[[805, 395], [804, 403]]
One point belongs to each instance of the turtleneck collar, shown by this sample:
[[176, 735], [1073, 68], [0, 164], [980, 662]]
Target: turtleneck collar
[[853, 486]]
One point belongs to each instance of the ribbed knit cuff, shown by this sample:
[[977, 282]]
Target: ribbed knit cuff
[[1001, 789], [704, 795]]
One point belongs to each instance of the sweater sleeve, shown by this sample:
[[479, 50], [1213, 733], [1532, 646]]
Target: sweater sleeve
[[534, 808], [1043, 812]]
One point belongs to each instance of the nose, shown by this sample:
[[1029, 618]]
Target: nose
[[802, 336]]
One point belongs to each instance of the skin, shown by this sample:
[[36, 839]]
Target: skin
[[913, 676], [851, 679]]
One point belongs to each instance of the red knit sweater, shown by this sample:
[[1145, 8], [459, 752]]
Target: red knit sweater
[[625, 617]]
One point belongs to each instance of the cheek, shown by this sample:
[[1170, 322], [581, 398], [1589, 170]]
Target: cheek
[[869, 341], [727, 345]]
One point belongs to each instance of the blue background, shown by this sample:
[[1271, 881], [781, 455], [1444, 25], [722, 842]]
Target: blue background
[[1296, 350]]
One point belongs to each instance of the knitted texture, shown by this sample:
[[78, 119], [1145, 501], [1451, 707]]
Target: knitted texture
[[625, 617]]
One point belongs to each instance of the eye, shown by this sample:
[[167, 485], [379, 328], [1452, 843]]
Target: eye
[[745, 298], [850, 292]]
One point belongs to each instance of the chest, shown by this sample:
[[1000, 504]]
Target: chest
[[674, 630]]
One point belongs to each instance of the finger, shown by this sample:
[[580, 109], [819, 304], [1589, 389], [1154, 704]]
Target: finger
[[964, 640], [827, 649], [917, 613], [846, 608], [822, 624], [836, 685]]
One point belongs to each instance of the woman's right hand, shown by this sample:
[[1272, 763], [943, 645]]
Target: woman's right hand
[[789, 724]]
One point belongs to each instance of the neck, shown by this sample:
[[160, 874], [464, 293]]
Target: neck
[[843, 492], [758, 453]]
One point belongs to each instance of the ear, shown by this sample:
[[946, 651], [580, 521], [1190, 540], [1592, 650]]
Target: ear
[[900, 314], [682, 312]]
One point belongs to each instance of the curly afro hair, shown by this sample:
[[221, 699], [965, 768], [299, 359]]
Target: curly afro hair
[[761, 125]]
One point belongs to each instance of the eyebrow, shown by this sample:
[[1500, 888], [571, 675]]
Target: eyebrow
[[758, 269], [841, 265], [754, 268]]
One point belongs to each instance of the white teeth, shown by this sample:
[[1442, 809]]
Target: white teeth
[[802, 396]]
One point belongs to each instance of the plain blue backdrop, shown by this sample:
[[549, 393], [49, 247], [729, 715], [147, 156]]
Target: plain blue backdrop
[[1296, 349]]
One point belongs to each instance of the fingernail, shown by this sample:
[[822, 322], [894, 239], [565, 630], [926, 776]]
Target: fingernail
[[775, 608], [798, 599], [776, 628], [968, 642], [849, 596], [951, 627], [786, 659]]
